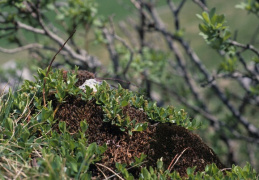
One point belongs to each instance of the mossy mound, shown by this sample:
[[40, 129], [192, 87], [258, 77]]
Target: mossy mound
[[179, 147]]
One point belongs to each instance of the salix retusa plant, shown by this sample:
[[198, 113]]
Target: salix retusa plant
[[226, 97], [159, 59]]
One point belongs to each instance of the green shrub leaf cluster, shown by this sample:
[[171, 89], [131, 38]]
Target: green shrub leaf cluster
[[29, 145], [213, 29]]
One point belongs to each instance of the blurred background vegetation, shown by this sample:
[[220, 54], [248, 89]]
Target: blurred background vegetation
[[122, 10]]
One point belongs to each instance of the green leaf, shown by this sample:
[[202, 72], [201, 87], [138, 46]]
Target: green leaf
[[146, 174], [199, 16], [9, 124], [241, 5], [212, 12], [51, 7], [206, 17], [85, 176], [191, 170], [84, 126], [227, 35], [220, 19], [74, 166], [203, 28], [25, 135], [62, 126], [140, 127], [60, 17], [124, 103]]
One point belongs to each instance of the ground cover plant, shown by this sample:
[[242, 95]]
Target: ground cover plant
[[77, 135], [51, 127]]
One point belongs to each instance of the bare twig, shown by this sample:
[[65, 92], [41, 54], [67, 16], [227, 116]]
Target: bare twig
[[129, 168], [98, 164], [201, 4], [177, 159], [102, 172], [179, 57], [245, 46], [29, 28], [225, 169], [19, 49], [131, 53], [91, 61], [50, 64], [194, 57], [253, 75], [113, 35], [110, 46], [176, 11], [169, 167], [125, 28]]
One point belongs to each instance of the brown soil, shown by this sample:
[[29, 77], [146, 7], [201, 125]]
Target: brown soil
[[179, 147]]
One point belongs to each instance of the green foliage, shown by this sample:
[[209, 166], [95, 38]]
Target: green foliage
[[30, 148], [213, 30], [217, 35], [65, 17], [229, 64], [26, 131], [113, 101], [211, 172], [251, 6], [77, 11], [153, 62], [27, 135]]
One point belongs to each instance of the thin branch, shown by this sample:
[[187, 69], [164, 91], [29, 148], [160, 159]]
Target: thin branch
[[193, 56], [179, 57], [98, 164], [29, 28], [169, 167], [110, 38], [130, 50], [129, 34], [102, 172], [110, 46], [138, 6], [129, 168], [176, 11], [178, 158], [91, 61], [50, 64], [245, 46], [225, 169], [201, 4], [250, 127], [253, 75], [22, 48]]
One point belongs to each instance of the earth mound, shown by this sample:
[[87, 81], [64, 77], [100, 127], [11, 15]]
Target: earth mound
[[179, 147]]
